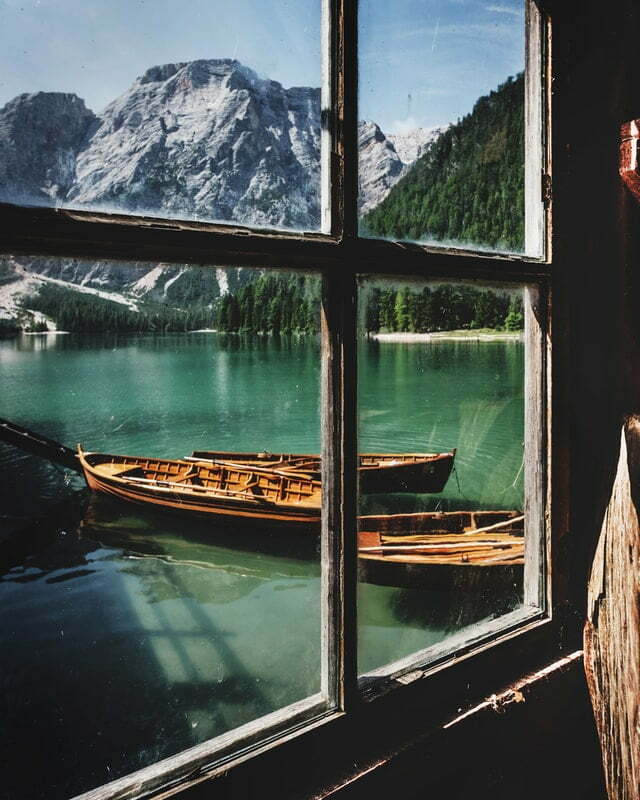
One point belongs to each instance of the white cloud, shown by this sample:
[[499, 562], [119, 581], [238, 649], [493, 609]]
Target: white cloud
[[514, 12], [404, 125], [409, 124], [493, 31]]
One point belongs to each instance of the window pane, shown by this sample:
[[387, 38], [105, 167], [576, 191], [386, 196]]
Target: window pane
[[212, 113], [130, 631], [442, 132], [441, 415]]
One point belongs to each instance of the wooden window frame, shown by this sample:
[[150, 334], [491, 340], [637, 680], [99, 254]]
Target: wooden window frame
[[496, 652]]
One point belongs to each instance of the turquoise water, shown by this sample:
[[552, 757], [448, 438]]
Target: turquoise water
[[128, 635]]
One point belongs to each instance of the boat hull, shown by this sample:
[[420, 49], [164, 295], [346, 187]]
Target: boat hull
[[463, 579]]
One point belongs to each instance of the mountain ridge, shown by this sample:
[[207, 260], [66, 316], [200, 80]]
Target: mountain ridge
[[207, 139], [204, 139]]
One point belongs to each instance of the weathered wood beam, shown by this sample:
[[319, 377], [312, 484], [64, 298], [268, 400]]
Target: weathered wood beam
[[629, 167], [612, 630]]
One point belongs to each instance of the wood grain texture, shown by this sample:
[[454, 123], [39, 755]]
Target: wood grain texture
[[612, 630]]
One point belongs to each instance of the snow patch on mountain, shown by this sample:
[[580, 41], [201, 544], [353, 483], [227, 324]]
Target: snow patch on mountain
[[172, 280], [223, 281], [148, 281]]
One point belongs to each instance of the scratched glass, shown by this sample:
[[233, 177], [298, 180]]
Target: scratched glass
[[209, 113], [441, 104], [131, 631], [441, 432]]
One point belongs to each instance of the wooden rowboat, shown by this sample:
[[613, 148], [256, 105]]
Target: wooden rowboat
[[227, 492], [437, 549], [242, 495], [379, 472]]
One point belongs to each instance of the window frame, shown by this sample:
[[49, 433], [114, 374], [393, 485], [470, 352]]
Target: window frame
[[341, 256]]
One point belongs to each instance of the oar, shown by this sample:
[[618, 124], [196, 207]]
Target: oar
[[39, 445], [435, 546], [495, 527]]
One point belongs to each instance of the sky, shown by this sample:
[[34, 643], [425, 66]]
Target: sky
[[422, 62], [425, 62]]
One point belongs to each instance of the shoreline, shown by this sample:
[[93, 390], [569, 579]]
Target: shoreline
[[397, 336], [449, 336], [52, 332]]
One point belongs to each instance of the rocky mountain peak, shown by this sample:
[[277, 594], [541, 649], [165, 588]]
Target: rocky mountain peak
[[206, 139], [413, 144], [210, 140], [379, 165], [40, 137]]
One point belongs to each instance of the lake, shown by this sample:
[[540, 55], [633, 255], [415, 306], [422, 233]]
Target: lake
[[128, 635]]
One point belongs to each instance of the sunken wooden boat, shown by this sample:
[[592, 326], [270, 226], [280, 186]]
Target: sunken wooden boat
[[465, 550], [378, 472], [226, 492]]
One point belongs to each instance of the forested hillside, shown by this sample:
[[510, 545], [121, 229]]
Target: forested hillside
[[269, 304], [468, 188], [84, 313]]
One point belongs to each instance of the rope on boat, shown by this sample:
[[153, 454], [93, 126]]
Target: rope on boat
[[515, 480], [503, 492], [462, 494]]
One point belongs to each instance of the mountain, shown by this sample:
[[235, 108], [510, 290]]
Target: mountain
[[379, 166], [41, 136], [132, 284], [384, 158], [468, 187], [415, 143], [207, 140]]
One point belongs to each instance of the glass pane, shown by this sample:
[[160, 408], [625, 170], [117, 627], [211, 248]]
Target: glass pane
[[442, 133], [130, 631], [211, 114], [441, 421]]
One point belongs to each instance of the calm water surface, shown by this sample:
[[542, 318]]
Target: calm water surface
[[128, 635]]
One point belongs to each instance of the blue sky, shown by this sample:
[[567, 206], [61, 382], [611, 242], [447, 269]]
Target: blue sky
[[96, 48], [422, 62], [425, 62]]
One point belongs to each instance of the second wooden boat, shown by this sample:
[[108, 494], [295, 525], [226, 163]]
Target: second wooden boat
[[378, 472], [470, 550]]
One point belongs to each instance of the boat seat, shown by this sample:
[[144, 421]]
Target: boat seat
[[130, 472], [191, 477]]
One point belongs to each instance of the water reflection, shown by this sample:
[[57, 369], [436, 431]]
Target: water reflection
[[193, 636]]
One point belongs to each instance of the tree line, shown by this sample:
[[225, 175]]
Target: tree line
[[443, 308], [272, 304], [277, 304]]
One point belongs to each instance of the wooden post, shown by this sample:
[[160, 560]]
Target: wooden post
[[612, 630]]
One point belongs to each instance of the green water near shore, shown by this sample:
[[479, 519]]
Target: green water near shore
[[128, 636]]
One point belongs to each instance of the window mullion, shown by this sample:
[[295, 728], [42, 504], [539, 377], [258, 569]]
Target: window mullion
[[348, 114], [339, 442]]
